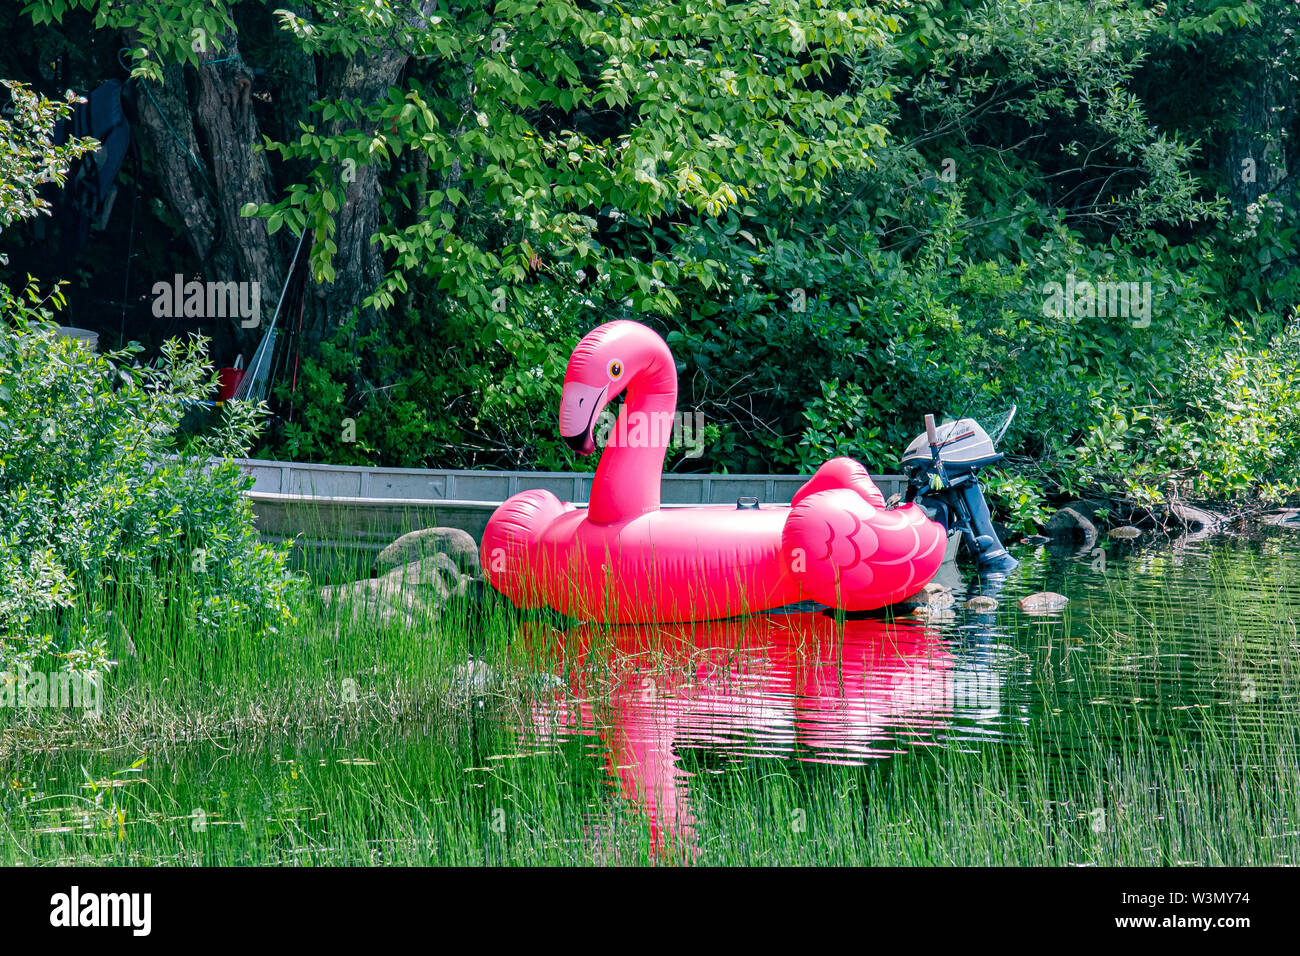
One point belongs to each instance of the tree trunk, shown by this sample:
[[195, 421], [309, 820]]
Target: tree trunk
[[358, 264], [167, 127], [204, 141], [241, 175]]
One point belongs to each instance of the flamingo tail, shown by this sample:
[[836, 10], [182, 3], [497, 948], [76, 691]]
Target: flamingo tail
[[846, 550]]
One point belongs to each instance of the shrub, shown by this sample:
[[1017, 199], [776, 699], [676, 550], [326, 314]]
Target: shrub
[[1230, 430], [98, 497]]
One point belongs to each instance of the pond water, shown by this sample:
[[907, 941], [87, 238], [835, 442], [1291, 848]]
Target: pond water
[[1162, 634], [656, 724]]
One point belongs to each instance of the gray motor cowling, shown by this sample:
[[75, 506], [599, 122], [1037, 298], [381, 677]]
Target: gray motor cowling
[[942, 467]]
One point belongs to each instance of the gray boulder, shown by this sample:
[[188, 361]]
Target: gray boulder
[[456, 544], [1287, 518], [1195, 520], [1070, 524], [403, 595]]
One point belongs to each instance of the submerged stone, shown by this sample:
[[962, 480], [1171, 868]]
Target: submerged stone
[[1044, 602], [1071, 524], [934, 595], [928, 612], [1195, 519]]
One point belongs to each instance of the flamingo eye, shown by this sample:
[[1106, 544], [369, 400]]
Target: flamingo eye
[[615, 369]]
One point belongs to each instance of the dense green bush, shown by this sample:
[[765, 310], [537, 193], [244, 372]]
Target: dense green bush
[[1229, 430], [915, 283], [98, 498], [841, 217]]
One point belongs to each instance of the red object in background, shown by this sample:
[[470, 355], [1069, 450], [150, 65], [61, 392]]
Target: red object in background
[[228, 380]]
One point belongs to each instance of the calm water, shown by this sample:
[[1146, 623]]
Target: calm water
[[636, 718], [1151, 633]]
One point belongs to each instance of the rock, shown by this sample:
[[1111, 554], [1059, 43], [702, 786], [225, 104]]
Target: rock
[[367, 601], [1125, 532], [928, 612], [438, 578], [981, 604], [1071, 524], [452, 542], [1090, 508], [1200, 524], [934, 595], [405, 594], [1044, 602], [1287, 518]]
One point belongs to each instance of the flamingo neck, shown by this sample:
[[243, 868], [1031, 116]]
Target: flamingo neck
[[627, 479]]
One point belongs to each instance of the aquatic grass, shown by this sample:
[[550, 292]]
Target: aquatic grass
[[331, 663], [1128, 737]]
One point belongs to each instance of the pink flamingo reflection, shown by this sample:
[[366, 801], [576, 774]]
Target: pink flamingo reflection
[[796, 686]]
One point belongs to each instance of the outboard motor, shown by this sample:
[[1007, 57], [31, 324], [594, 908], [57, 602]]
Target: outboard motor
[[942, 468]]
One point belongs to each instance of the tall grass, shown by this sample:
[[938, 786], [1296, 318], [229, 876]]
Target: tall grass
[[1146, 729]]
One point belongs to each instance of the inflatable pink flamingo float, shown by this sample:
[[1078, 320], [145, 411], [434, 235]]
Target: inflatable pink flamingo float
[[625, 559]]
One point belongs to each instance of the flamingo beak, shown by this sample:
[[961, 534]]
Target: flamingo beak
[[579, 406]]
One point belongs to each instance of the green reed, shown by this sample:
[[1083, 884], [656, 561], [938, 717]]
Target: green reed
[[1152, 729]]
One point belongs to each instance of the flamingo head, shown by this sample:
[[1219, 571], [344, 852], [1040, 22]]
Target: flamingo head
[[605, 363]]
